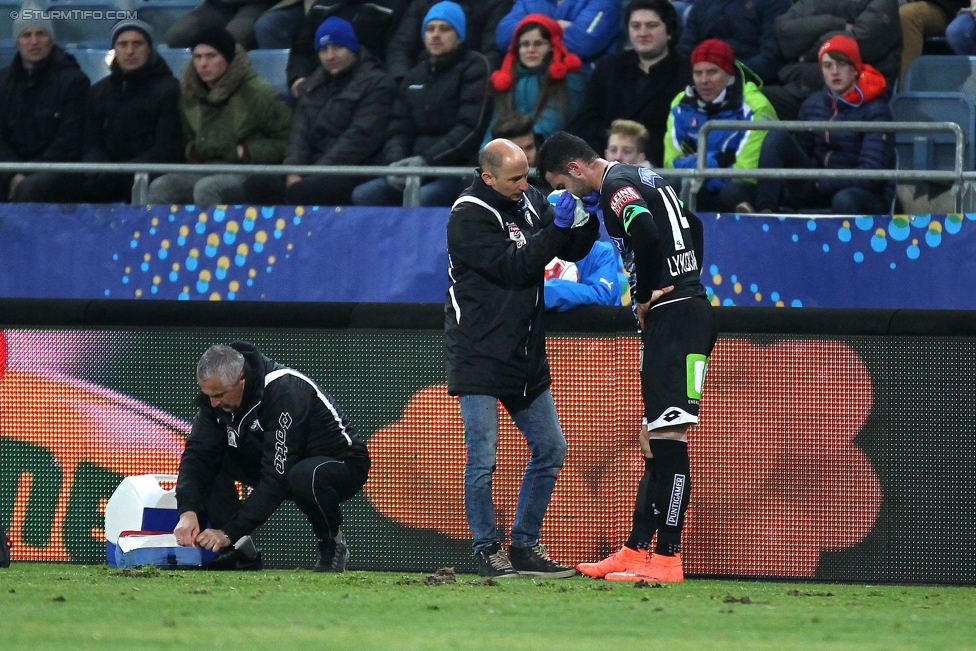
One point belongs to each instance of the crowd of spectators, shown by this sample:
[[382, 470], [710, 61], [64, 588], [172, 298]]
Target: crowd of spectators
[[416, 83]]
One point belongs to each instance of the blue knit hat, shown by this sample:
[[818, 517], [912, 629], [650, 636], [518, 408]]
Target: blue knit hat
[[449, 12], [336, 31]]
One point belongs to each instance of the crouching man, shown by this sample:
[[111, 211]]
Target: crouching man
[[273, 429]]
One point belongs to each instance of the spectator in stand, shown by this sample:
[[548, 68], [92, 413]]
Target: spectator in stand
[[627, 143], [42, 110], [590, 27], [440, 113], [747, 25], [637, 84], [236, 16], [720, 92], [373, 21], [230, 115], [518, 129], [343, 108], [405, 51], [854, 92], [538, 78], [133, 116], [809, 23], [921, 19], [961, 32]]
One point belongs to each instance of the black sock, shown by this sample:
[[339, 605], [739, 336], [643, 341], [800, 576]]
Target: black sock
[[643, 527], [671, 492]]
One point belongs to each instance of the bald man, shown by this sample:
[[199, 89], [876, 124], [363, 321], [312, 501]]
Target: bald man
[[501, 234]]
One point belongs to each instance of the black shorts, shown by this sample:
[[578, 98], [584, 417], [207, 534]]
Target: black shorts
[[677, 340]]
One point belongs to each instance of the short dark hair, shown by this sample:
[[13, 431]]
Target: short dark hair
[[664, 9], [515, 125], [559, 150]]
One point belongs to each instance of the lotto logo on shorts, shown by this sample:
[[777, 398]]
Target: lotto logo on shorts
[[696, 367], [621, 198]]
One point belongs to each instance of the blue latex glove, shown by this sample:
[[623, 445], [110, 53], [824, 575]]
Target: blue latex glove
[[591, 203], [565, 210]]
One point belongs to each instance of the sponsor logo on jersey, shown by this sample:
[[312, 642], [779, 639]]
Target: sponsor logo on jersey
[[648, 177], [674, 506], [515, 234], [682, 263], [618, 243], [622, 197], [281, 445]]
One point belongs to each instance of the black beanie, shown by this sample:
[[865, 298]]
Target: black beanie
[[218, 38]]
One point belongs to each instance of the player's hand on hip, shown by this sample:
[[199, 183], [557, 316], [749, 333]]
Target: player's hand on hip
[[642, 308]]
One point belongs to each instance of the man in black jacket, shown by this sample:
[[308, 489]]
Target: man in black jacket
[[342, 112], [637, 84], [42, 110], [500, 236], [133, 115], [271, 428], [440, 114]]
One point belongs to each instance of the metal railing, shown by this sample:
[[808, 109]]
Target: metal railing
[[411, 194]]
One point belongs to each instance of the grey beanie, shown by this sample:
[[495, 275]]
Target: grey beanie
[[32, 16], [130, 24]]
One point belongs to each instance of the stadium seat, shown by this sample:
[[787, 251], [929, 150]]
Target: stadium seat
[[163, 14], [933, 150], [942, 73], [271, 64], [7, 53], [94, 63], [176, 59]]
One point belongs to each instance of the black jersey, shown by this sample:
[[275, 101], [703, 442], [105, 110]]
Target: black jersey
[[644, 216]]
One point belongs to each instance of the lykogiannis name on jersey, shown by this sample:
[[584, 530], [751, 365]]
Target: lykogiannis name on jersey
[[649, 177]]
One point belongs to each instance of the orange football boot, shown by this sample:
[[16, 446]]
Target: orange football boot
[[664, 569], [625, 560]]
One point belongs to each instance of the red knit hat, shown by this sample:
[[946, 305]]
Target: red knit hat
[[844, 44], [717, 52], [563, 61]]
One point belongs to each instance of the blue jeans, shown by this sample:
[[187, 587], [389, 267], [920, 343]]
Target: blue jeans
[[276, 30], [961, 34], [441, 192], [539, 425]]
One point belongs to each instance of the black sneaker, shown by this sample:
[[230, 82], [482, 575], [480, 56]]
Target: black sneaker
[[492, 562], [336, 562], [533, 561], [243, 555]]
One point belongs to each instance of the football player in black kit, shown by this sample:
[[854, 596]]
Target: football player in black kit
[[643, 216]]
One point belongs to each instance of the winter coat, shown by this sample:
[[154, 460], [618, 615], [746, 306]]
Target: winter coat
[[441, 111], [240, 109], [736, 149], [592, 35], [619, 89], [498, 249], [135, 116], [406, 48], [374, 22], [42, 110], [746, 25], [851, 149], [284, 418], [809, 23], [525, 96], [340, 119]]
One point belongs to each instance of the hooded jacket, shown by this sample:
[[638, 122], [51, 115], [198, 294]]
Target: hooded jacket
[[135, 116], [851, 149], [441, 110], [240, 108], [42, 110], [340, 119], [284, 418], [736, 149], [498, 249]]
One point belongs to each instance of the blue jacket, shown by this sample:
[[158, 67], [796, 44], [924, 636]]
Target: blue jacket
[[747, 25], [525, 93], [598, 284], [596, 24], [850, 149]]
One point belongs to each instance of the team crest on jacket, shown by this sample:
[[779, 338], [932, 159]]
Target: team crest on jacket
[[648, 177], [515, 234], [231, 437], [621, 198]]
